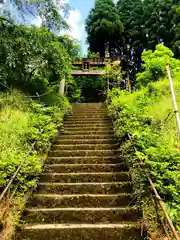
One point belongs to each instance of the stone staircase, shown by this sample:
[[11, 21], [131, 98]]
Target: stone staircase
[[85, 191]]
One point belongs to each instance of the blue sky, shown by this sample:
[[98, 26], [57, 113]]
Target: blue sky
[[84, 6], [78, 14], [76, 20]]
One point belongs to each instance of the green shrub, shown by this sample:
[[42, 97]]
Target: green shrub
[[154, 66], [32, 59], [148, 116], [21, 123]]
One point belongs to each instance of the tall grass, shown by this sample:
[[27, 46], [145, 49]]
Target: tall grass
[[21, 121]]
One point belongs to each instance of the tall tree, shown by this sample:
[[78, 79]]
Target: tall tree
[[146, 24], [158, 22], [132, 42], [175, 11], [103, 26], [71, 45], [31, 59]]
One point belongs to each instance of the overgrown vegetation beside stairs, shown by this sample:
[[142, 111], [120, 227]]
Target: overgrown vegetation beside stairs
[[22, 120]]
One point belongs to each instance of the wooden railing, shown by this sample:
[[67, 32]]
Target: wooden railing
[[96, 61], [166, 222]]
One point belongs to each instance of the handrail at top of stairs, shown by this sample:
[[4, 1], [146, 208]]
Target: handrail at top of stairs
[[159, 200]]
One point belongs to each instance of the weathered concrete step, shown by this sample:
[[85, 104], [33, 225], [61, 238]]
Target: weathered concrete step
[[88, 125], [82, 200], [87, 136], [87, 109], [120, 231], [85, 146], [89, 129], [85, 177], [87, 113], [87, 106], [85, 159], [85, 141], [80, 215], [88, 121], [90, 112], [62, 168], [85, 188], [87, 118], [90, 132], [83, 153]]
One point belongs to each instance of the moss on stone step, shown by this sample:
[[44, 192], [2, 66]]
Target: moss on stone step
[[85, 177], [79, 232], [85, 159], [81, 215], [65, 168], [85, 188], [83, 153], [82, 200], [85, 146]]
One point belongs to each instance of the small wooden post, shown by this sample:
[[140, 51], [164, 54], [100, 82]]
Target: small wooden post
[[162, 205], [128, 82], [173, 98], [62, 86]]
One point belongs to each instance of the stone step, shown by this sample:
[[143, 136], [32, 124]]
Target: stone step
[[90, 112], [87, 118], [88, 129], [88, 121], [62, 168], [80, 215], [85, 188], [119, 231], [85, 177], [87, 125], [83, 153], [84, 146], [90, 109], [85, 159], [82, 200], [87, 113], [89, 132], [85, 141], [86, 136], [88, 106]]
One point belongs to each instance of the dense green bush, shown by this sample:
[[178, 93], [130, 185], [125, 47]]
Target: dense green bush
[[22, 121], [147, 115], [31, 59], [154, 65]]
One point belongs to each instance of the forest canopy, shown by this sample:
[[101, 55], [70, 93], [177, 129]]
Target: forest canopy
[[133, 26]]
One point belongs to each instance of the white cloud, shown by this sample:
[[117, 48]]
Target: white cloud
[[75, 22], [36, 21], [77, 28]]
